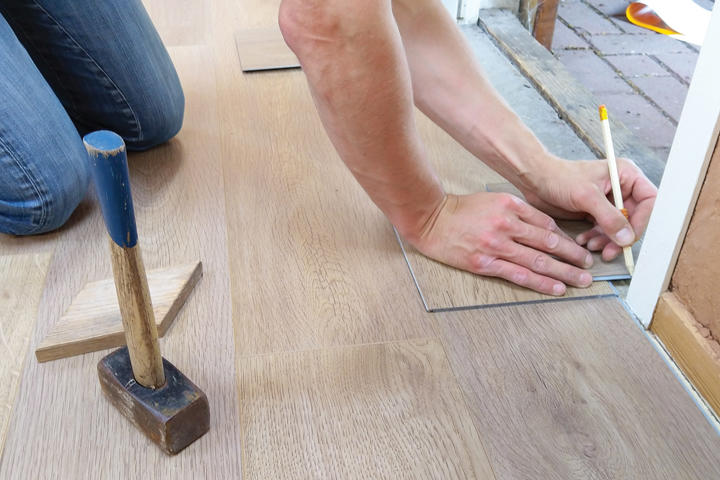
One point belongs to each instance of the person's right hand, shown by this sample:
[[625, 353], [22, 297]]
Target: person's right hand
[[499, 235]]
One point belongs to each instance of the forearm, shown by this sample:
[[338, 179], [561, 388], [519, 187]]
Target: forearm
[[449, 87], [360, 81]]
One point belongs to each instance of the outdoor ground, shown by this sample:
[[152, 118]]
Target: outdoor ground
[[642, 76]]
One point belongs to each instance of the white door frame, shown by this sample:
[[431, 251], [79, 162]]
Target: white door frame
[[687, 165]]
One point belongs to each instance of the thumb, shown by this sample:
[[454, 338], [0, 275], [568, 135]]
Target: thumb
[[609, 218]]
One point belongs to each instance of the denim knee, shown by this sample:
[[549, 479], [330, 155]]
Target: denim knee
[[39, 190], [159, 117]]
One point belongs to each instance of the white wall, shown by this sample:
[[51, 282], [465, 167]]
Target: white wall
[[466, 11]]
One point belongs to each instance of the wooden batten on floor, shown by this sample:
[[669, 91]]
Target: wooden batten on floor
[[690, 345]]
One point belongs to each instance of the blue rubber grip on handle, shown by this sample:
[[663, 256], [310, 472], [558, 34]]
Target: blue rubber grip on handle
[[108, 162]]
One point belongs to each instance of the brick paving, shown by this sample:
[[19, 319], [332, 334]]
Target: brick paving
[[642, 76]]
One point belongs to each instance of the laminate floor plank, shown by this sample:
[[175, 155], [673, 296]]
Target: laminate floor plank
[[264, 49], [390, 410], [179, 202], [575, 390], [181, 22], [23, 278], [313, 262]]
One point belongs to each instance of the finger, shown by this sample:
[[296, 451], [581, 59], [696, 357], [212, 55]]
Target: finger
[[562, 247], [598, 243], [612, 222], [524, 277], [533, 216], [641, 215], [642, 194], [584, 237], [545, 265], [611, 251]]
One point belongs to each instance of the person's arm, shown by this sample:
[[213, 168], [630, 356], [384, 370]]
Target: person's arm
[[449, 87], [353, 57]]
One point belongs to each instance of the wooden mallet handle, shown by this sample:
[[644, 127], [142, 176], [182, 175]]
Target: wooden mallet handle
[[108, 161]]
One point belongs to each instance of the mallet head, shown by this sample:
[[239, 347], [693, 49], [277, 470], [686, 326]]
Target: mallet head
[[173, 416]]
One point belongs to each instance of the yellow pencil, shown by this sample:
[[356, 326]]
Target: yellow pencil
[[615, 180]]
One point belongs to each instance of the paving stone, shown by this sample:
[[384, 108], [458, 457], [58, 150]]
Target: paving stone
[[565, 38], [626, 26], [610, 7], [637, 65], [593, 73], [683, 64], [668, 92], [649, 125], [581, 17], [648, 44]]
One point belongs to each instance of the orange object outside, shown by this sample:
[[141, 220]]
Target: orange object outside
[[644, 16]]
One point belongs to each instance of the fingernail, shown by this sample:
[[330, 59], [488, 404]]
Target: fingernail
[[585, 279], [588, 260], [558, 289], [624, 236]]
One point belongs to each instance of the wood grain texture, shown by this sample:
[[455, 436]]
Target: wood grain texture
[[313, 262], [137, 314], [180, 22], [572, 101], [177, 188], [697, 271], [92, 322], [264, 49], [601, 270], [575, 390], [374, 411], [23, 279], [691, 345]]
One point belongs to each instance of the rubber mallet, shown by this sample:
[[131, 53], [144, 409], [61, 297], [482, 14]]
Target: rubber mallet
[[153, 394]]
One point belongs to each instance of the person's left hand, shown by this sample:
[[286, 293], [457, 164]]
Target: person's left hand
[[582, 189]]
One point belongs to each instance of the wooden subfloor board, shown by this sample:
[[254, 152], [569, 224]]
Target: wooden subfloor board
[[577, 392], [572, 101], [23, 279], [390, 410], [691, 345], [179, 203]]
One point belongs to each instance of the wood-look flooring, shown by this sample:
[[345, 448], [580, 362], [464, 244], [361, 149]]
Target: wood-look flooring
[[23, 280], [306, 331]]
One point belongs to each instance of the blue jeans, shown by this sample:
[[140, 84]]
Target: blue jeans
[[67, 68]]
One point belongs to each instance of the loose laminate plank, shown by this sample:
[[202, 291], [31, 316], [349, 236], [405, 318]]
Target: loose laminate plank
[[388, 410], [178, 196], [264, 49], [23, 279], [575, 390]]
